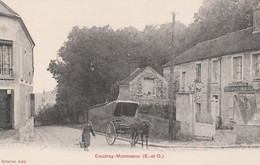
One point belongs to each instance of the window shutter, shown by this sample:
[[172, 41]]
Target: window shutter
[[1, 57], [254, 72], [32, 104]]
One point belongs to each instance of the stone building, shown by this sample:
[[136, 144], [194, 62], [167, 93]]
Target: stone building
[[219, 85], [16, 74], [145, 86]]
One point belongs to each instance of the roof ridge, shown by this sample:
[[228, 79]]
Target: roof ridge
[[207, 42], [135, 71], [9, 9], [231, 33], [16, 16], [130, 74], [133, 74]]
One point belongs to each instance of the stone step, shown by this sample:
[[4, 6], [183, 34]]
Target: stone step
[[204, 138]]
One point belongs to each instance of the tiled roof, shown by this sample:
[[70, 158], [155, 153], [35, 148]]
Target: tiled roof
[[133, 75], [236, 42], [6, 11]]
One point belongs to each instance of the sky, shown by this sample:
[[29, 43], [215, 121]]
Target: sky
[[50, 21]]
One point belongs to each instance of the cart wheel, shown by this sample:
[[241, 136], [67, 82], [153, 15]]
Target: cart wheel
[[111, 133]]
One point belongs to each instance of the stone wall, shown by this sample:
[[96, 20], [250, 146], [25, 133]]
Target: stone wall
[[100, 114], [200, 89], [160, 126], [225, 136], [160, 89], [247, 133]]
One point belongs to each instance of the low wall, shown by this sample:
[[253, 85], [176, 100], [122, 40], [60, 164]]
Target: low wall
[[183, 131], [153, 101], [26, 132], [99, 115], [160, 128], [247, 133], [225, 136]]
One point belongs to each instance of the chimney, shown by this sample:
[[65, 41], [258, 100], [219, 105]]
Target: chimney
[[256, 18]]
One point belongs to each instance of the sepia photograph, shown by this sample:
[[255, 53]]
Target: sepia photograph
[[130, 82]]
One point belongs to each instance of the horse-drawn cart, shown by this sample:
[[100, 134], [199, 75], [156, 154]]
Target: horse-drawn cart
[[115, 118]]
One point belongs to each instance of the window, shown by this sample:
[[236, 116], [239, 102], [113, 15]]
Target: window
[[215, 71], [256, 65], [6, 67], [198, 73], [148, 86], [183, 79], [198, 108], [237, 68], [125, 109], [32, 101]]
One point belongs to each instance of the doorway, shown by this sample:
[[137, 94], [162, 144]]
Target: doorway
[[5, 109]]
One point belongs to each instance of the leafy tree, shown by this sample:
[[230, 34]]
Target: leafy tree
[[219, 17], [93, 61]]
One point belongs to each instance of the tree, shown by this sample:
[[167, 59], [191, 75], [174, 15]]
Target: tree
[[219, 17]]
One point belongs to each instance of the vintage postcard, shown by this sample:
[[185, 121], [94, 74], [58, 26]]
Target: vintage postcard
[[129, 82]]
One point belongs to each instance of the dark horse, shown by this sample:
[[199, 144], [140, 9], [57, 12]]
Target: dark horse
[[142, 128]]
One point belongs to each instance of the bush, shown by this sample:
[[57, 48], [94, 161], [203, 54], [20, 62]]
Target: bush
[[49, 115], [162, 111]]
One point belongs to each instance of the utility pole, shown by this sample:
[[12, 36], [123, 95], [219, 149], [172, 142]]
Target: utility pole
[[171, 86]]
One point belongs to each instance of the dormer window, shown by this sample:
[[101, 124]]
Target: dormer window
[[148, 86]]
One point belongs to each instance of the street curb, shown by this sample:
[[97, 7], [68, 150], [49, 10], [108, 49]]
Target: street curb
[[189, 147], [43, 139], [151, 144]]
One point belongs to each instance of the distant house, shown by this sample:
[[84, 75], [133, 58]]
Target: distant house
[[219, 85], [145, 86], [44, 99], [16, 73]]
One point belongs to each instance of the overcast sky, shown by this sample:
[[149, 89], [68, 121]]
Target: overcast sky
[[49, 22]]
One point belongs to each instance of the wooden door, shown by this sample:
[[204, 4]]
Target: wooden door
[[4, 109]]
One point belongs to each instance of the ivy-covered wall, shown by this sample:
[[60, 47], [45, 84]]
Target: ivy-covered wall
[[159, 92], [199, 89]]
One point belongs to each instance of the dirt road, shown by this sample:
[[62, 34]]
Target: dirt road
[[59, 145]]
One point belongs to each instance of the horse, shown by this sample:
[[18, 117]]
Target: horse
[[142, 128]]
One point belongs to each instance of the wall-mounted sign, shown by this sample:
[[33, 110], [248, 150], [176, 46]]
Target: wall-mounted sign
[[238, 88]]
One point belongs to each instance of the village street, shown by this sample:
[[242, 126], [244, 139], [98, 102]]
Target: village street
[[59, 145]]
